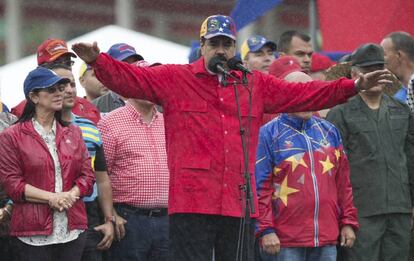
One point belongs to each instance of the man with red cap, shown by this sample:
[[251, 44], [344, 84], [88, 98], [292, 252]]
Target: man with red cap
[[52, 53], [204, 146]]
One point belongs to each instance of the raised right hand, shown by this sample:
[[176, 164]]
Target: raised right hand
[[86, 51]]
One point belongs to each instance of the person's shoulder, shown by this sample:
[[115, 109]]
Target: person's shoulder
[[101, 99], [327, 125], [11, 129], [85, 102], [82, 120], [114, 116], [353, 102], [396, 102], [272, 126]]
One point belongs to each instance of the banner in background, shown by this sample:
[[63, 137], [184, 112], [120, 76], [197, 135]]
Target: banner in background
[[347, 24]]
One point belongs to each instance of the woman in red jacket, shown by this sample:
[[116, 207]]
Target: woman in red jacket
[[45, 168]]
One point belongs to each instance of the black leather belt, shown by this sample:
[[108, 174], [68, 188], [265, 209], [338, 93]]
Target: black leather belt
[[149, 212]]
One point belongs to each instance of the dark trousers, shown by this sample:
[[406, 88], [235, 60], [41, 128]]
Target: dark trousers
[[71, 251], [194, 236], [382, 237], [5, 249], [90, 252], [146, 236]]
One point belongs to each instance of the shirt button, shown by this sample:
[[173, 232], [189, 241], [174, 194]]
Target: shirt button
[[225, 185], [222, 115], [226, 150], [225, 132], [221, 99], [226, 169]]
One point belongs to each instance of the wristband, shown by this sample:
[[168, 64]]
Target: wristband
[[110, 219]]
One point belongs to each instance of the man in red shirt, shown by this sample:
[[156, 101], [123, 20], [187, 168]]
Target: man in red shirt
[[204, 147]]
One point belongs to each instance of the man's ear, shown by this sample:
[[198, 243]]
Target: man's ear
[[202, 45], [82, 80], [401, 55]]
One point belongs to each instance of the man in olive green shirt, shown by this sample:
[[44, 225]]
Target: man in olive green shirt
[[378, 136]]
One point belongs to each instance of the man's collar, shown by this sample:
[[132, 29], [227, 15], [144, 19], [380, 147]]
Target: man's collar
[[199, 68]]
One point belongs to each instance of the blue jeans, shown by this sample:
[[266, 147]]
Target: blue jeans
[[146, 238], [325, 253]]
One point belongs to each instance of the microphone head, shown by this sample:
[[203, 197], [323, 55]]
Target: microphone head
[[233, 62], [214, 61]]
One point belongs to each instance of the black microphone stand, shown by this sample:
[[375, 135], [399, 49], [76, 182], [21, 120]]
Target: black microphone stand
[[246, 188]]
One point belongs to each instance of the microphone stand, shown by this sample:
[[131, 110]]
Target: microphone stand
[[247, 192]]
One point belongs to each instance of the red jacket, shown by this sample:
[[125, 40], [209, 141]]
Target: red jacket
[[82, 108], [202, 128], [25, 159]]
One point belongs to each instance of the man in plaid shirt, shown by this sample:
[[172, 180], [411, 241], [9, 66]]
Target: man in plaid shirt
[[134, 145]]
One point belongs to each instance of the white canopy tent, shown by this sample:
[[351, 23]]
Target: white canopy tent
[[153, 49]]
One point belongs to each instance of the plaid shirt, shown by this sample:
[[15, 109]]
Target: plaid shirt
[[136, 158]]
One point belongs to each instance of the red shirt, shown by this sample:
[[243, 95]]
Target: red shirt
[[136, 158], [82, 108], [202, 129]]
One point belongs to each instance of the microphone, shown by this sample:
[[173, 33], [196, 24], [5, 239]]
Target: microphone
[[236, 64], [216, 65]]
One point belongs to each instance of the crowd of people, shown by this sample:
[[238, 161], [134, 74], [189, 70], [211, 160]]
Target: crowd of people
[[263, 161]]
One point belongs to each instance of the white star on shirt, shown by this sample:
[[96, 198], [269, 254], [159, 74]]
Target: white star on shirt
[[224, 24], [227, 20], [221, 29]]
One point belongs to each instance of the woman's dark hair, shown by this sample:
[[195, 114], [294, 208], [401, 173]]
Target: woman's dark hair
[[29, 112]]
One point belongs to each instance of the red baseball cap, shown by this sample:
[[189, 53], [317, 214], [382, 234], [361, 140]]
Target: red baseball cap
[[320, 62], [284, 65], [51, 49], [144, 63]]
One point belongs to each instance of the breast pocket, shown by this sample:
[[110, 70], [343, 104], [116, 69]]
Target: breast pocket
[[249, 117], [363, 138], [399, 127], [195, 116]]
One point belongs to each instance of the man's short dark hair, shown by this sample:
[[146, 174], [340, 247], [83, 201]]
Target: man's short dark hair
[[286, 38], [404, 42]]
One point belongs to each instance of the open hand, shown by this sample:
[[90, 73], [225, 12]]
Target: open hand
[[375, 78], [86, 51], [107, 229]]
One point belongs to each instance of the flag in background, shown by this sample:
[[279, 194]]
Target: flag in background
[[247, 11]]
